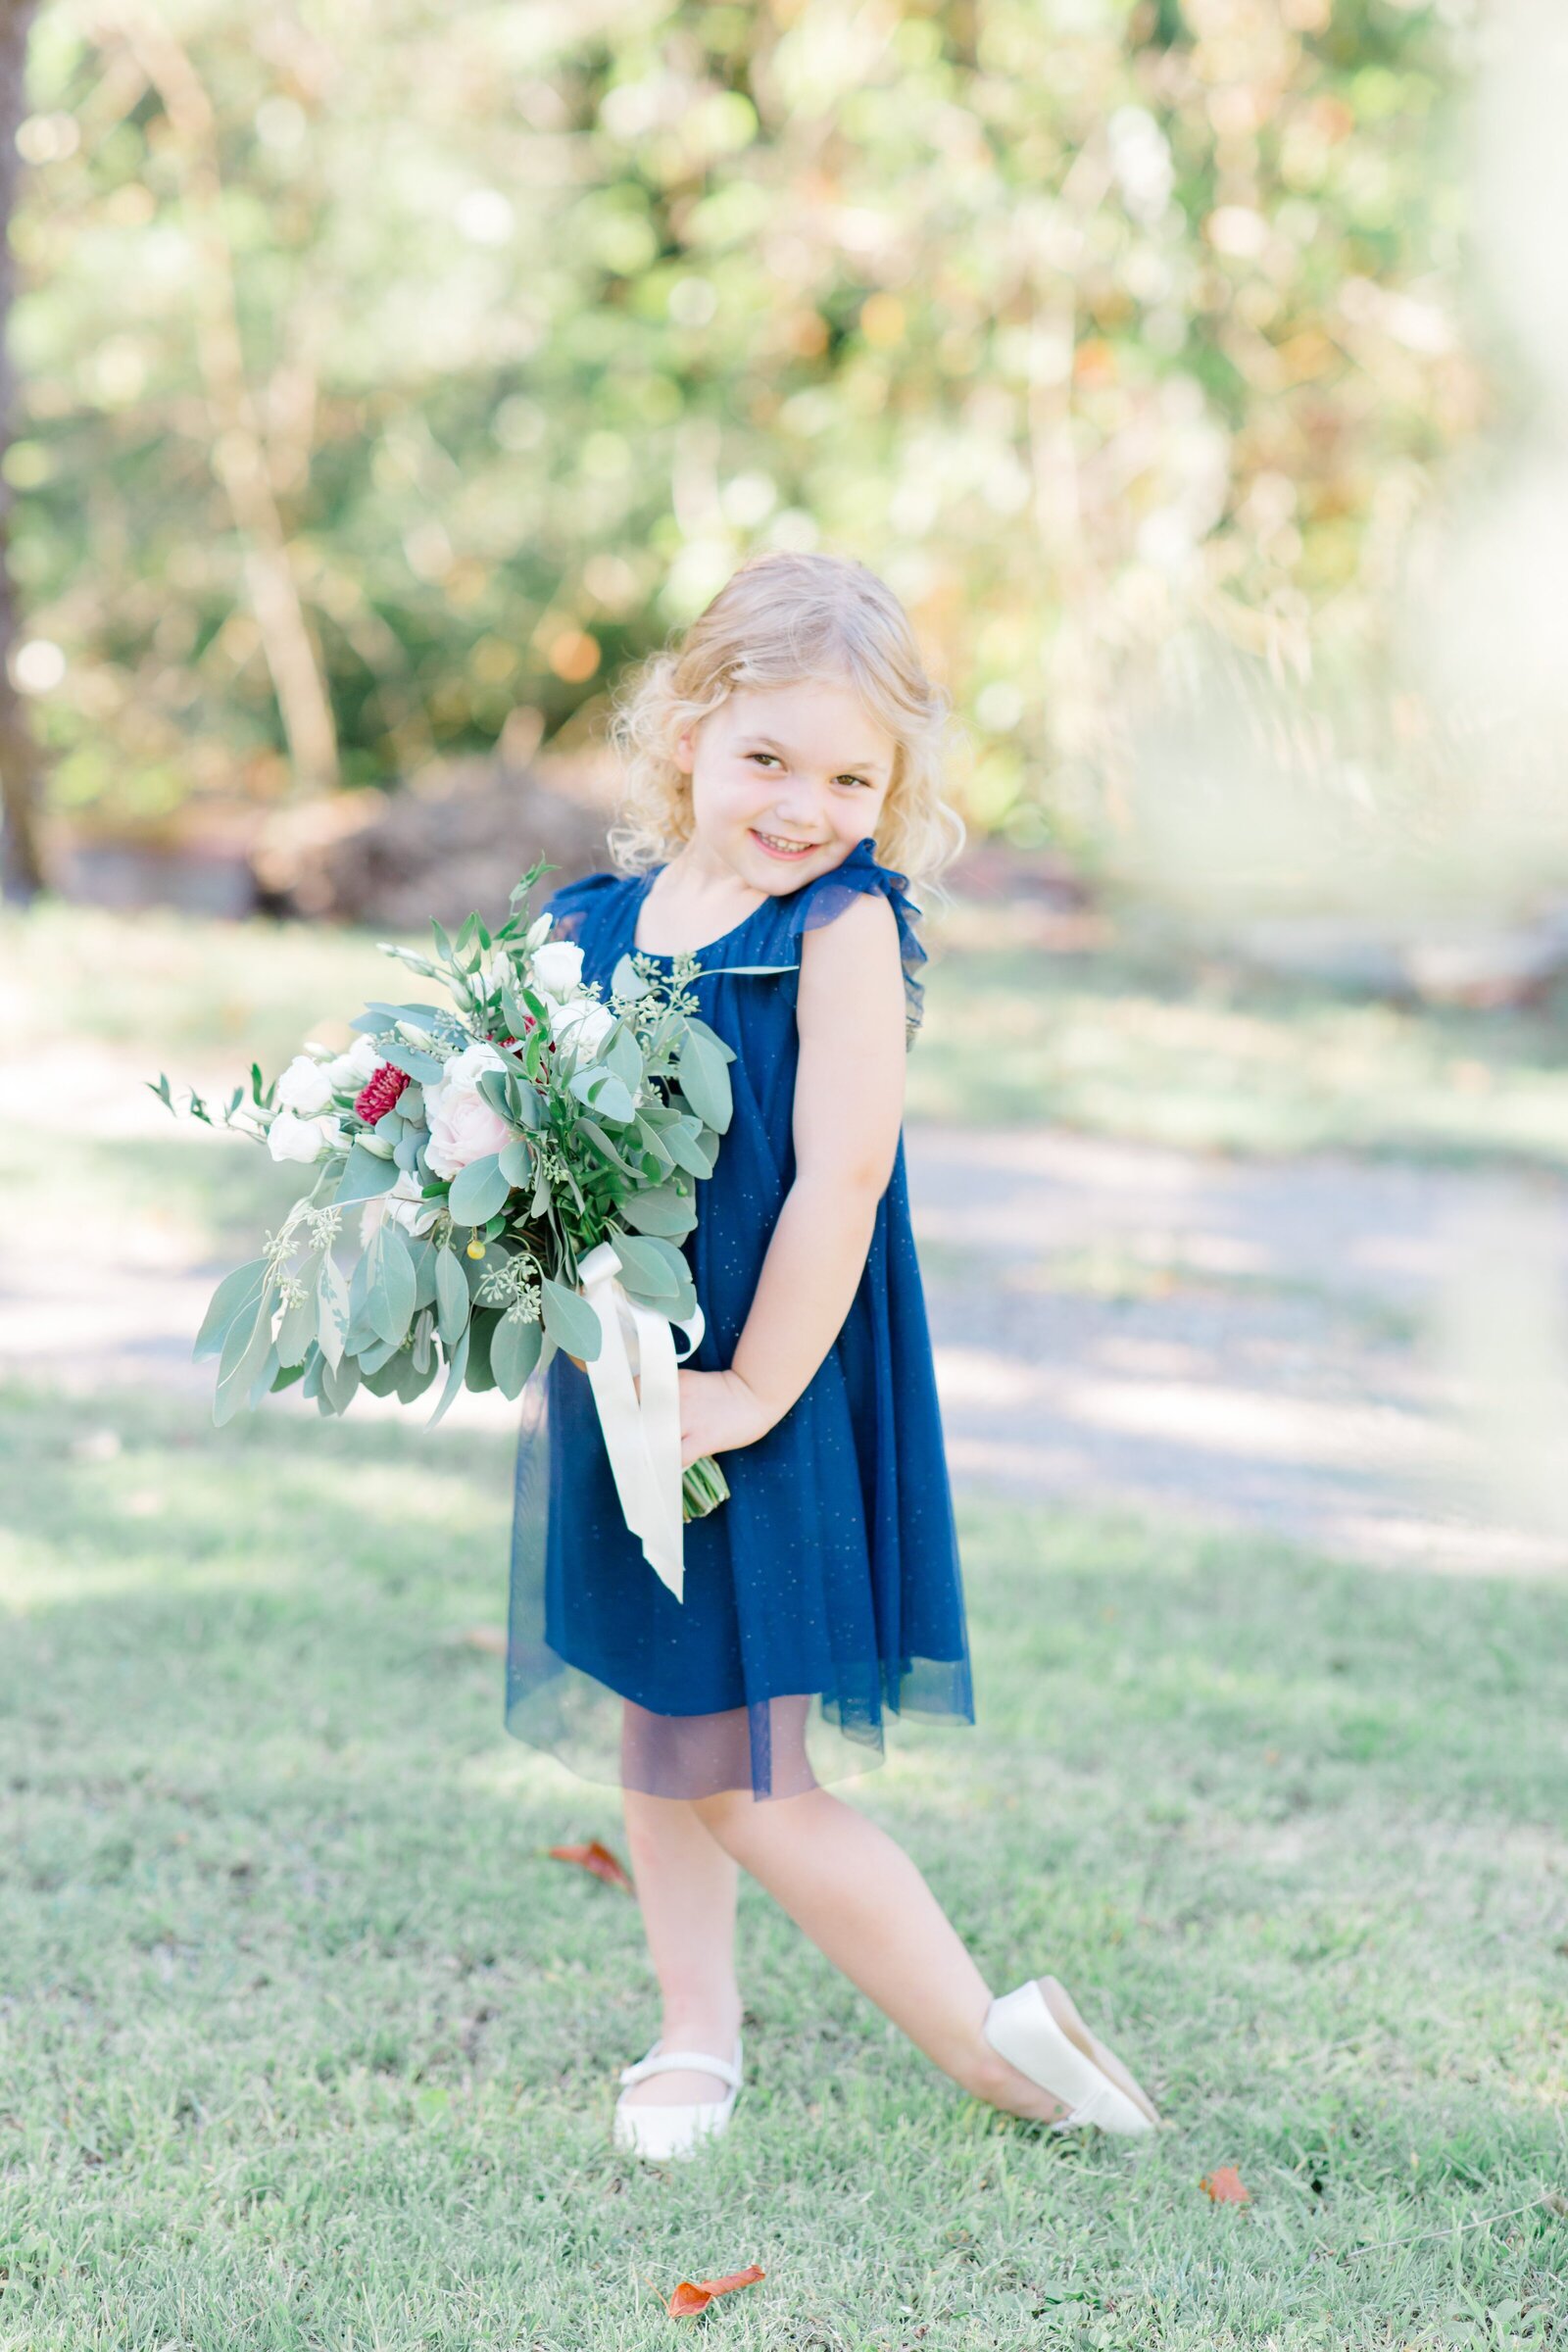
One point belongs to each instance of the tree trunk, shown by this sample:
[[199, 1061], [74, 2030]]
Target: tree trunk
[[21, 767]]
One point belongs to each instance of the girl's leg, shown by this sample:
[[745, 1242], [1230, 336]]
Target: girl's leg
[[686, 1886], [865, 1904]]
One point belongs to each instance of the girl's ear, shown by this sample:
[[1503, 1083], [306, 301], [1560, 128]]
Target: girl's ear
[[685, 757]]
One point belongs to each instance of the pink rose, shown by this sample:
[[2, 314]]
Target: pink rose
[[462, 1128]]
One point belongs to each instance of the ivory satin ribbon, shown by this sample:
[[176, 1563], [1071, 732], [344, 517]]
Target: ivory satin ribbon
[[642, 1441]]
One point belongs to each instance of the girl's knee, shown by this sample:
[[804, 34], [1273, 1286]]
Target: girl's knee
[[744, 1824], [730, 1818]]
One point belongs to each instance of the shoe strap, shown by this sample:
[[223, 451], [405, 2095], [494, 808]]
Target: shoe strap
[[671, 2062]]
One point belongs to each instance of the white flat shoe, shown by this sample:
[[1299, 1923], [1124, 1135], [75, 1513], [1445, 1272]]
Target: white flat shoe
[[1023, 2029], [658, 2134]]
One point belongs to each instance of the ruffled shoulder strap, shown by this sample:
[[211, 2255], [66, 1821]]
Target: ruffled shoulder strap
[[574, 902], [856, 876]]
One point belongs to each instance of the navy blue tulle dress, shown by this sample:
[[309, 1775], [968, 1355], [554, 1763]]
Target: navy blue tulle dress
[[825, 1593]]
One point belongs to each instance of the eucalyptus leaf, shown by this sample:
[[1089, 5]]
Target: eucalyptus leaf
[[656, 1139], [477, 1192], [333, 1317], [704, 1080], [297, 1329], [684, 1149], [421, 1253], [517, 1163], [340, 1384], [413, 1378], [696, 1027], [515, 1346], [415, 1064], [646, 1267], [246, 1347], [627, 980], [452, 1297], [391, 1014], [366, 1178], [476, 1373], [662, 1211], [501, 1091], [603, 1091], [623, 1057], [243, 1287], [570, 1320], [456, 1366], [392, 1288], [601, 1143], [265, 1379], [361, 1331]]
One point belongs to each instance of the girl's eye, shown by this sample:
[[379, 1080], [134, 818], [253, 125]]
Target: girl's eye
[[773, 760]]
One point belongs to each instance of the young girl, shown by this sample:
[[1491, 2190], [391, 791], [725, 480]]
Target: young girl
[[792, 738]]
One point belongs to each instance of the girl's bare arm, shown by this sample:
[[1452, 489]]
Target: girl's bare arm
[[849, 1102]]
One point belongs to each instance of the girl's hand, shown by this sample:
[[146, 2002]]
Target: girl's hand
[[718, 1411]]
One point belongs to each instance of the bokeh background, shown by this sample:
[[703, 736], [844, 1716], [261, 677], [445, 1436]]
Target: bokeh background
[[384, 381]]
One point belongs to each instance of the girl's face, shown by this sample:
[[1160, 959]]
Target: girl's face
[[786, 780]]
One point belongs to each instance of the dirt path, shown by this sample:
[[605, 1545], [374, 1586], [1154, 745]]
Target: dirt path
[[1254, 1344], [1266, 1344]]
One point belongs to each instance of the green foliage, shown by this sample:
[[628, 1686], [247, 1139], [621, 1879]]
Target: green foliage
[[547, 317]]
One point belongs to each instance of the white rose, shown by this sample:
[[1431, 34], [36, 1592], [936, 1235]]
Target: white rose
[[583, 1024], [403, 1204], [305, 1086], [558, 969], [465, 1068], [292, 1138], [349, 1073]]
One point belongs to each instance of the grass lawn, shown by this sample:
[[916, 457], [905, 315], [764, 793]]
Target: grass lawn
[[304, 2043]]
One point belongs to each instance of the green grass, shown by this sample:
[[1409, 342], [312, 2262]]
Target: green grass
[[1207, 1054], [1141, 1042], [303, 2043]]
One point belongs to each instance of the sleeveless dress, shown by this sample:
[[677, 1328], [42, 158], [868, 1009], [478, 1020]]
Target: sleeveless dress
[[825, 1593]]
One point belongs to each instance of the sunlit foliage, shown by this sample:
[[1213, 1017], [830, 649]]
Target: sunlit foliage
[[392, 375]]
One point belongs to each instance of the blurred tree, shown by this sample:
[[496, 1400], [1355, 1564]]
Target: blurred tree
[[20, 860], [392, 376]]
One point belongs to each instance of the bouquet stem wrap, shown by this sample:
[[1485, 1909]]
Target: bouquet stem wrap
[[641, 1438]]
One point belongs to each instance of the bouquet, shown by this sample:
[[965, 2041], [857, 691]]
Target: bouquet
[[495, 1177]]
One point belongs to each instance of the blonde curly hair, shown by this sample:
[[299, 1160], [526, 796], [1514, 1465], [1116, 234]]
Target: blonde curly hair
[[779, 620]]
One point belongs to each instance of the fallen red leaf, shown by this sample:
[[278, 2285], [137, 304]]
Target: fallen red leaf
[[689, 2299], [1226, 2187], [596, 1860]]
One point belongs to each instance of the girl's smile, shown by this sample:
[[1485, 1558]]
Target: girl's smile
[[776, 847]]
